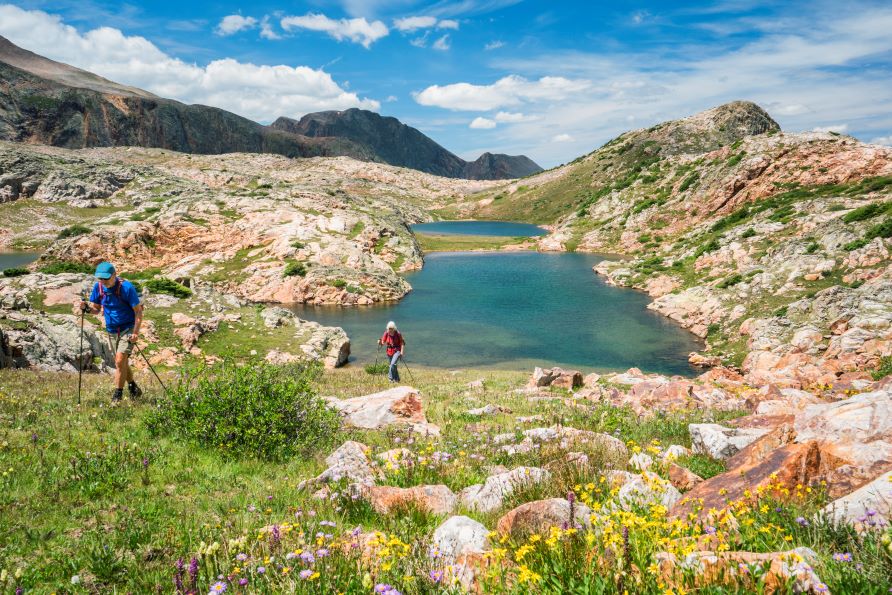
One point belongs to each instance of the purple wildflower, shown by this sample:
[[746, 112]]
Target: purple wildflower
[[802, 521], [241, 557], [844, 557], [261, 569], [305, 574], [322, 552], [242, 582], [193, 574], [218, 587], [308, 557], [436, 576], [178, 576]]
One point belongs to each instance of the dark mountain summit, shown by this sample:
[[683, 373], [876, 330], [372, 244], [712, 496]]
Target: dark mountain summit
[[47, 102], [396, 143]]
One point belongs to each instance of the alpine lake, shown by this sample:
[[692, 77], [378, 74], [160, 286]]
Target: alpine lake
[[514, 310]]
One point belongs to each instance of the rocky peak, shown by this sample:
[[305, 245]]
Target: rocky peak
[[390, 141], [706, 131]]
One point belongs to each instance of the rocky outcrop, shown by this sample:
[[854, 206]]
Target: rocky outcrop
[[490, 495], [350, 462], [857, 431], [868, 508], [396, 406], [460, 535], [539, 515], [435, 499], [556, 377], [52, 342], [779, 570], [720, 442]]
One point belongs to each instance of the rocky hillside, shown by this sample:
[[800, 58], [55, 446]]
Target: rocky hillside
[[263, 227], [393, 142], [772, 246], [233, 230], [47, 102]]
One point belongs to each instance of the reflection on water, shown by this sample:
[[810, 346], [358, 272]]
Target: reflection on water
[[514, 311], [480, 228]]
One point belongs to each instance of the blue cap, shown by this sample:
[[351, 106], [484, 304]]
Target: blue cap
[[105, 270]]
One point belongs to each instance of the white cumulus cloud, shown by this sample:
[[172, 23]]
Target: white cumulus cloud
[[882, 140], [412, 23], [482, 124], [494, 45], [512, 117], [234, 23], [561, 138], [415, 23], [838, 128], [267, 31], [259, 92], [508, 91], [357, 30]]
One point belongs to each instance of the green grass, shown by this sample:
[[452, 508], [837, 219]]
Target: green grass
[[73, 231], [883, 369], [33, 224], [15, 272], [97, 495], [58, 267], [232, 270], [449, 242], [867, 212], [164, 285], [295, 269]]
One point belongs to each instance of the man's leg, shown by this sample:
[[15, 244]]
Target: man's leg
[[122, 370]]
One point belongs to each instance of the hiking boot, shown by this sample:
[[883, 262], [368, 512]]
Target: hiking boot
[[135, 391], [117, 395]]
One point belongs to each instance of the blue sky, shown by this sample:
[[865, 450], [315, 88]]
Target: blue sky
[[552, 80]]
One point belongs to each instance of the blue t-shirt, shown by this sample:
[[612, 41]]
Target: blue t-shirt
[[117, 303]]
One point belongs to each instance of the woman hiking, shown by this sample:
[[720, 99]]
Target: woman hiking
[[396, 348], [119, 302]]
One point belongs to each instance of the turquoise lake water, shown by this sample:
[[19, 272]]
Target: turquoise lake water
[[10, 260], [480, 228], [517, 310]]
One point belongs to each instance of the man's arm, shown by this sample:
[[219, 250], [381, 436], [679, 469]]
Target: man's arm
[[92, 303], [137, 323]]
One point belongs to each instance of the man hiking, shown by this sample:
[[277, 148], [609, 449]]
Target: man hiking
[[120, 304], [396, 348]]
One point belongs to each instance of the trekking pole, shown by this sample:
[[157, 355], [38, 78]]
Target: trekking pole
[[405, 365], [377, 353], [80, 355], [150, 367]]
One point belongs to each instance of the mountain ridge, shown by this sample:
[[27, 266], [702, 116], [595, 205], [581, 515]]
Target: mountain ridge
[[395, 142], [48, 102]]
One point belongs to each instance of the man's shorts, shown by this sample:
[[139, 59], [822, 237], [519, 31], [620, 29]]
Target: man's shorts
[[121, 343]]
